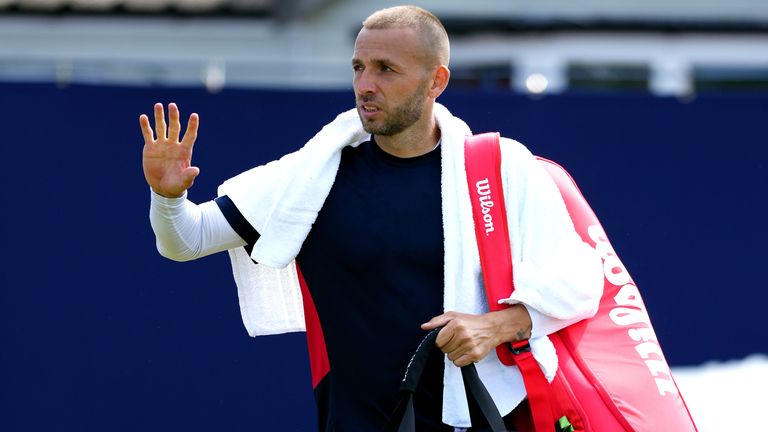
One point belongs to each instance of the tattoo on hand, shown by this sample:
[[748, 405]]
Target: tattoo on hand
[[524, 333]]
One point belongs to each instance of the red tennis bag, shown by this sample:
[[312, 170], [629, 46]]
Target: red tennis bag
[[612, 373]]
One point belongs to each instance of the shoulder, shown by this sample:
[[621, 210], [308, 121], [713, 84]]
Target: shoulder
[[514, 152], [522, 168]]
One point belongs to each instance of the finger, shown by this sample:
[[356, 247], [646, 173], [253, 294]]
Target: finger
[[146, 129], [453, 344], [159, 121], [461, 336], [444, 337], [188, 176], [437, 321], [174, 125], [465, 360], [455, 354], [190, 173], [190, 135]]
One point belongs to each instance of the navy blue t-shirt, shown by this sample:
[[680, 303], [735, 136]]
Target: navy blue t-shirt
[[373, 262]]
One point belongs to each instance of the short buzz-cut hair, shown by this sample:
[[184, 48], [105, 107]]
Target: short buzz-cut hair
[[433, 35]]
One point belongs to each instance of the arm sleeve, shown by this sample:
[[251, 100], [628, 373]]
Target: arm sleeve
[[185, 231]]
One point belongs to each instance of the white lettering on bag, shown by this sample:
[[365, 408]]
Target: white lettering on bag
[[630, 312], [486, 202]]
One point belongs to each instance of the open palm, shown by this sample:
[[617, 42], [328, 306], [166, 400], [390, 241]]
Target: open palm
[[167, 161]]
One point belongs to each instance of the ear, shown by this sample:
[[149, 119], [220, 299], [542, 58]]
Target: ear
[[439, 81]]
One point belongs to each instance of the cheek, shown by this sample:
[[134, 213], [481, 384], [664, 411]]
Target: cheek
[[410, 93]]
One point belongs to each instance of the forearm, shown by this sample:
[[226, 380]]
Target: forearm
[[511, 324], [185, 231]]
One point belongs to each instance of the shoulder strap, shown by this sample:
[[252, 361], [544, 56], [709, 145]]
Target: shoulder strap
[[482, 159]]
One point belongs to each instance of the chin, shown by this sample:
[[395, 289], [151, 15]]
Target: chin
[[371, 127]]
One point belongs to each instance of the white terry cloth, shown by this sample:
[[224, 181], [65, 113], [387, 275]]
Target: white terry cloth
[[557, 276]]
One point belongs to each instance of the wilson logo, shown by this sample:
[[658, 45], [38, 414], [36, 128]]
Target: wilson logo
[[486, 203], [630, 313]]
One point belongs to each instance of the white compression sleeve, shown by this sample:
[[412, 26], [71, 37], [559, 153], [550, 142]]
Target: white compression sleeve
[[186, 231]]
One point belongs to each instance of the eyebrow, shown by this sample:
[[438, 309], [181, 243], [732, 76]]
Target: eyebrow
[[376, 61]]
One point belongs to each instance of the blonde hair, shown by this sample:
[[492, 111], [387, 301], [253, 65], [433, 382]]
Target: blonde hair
[[433, 35]]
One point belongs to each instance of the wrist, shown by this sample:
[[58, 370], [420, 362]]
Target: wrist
[[169, 195], [156, 196], [513, 323]]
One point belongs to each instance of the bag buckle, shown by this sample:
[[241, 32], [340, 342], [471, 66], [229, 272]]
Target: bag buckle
[[519, 347]]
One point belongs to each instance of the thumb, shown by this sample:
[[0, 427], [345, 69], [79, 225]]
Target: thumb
[[190, 173], [437, 321]]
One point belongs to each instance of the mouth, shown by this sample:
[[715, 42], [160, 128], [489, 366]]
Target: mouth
[[368, 110]]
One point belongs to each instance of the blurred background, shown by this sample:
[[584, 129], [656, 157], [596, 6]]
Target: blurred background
[[658, 109]]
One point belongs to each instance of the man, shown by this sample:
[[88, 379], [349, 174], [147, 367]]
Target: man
[[375, 211]]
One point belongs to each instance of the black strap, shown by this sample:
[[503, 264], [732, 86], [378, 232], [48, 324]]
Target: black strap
[[238, 222], [476, 391], [403, 418]]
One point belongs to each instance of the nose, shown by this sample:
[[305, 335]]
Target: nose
[[364, 82]]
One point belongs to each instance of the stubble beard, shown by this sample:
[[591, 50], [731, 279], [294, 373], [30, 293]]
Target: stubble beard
[[401, 118]]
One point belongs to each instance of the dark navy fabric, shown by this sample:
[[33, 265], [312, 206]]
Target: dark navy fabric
[[238, 222], [373, 263]]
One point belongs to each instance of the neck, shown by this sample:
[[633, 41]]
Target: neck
[[420, 138]]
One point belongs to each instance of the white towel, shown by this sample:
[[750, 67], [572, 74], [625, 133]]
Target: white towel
[[282, 199]]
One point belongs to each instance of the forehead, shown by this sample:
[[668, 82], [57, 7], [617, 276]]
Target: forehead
[[397, 44]]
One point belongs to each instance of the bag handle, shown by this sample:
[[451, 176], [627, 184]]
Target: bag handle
[[404, 420]]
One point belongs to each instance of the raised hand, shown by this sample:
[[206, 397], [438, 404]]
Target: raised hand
[[167, 161]]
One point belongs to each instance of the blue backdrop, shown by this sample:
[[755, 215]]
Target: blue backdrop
[[98, 332]]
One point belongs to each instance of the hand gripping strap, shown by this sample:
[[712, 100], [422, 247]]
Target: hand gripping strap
[[482, 160]]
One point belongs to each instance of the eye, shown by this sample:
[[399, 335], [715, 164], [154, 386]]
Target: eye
[[385, 68], [357, 67]]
